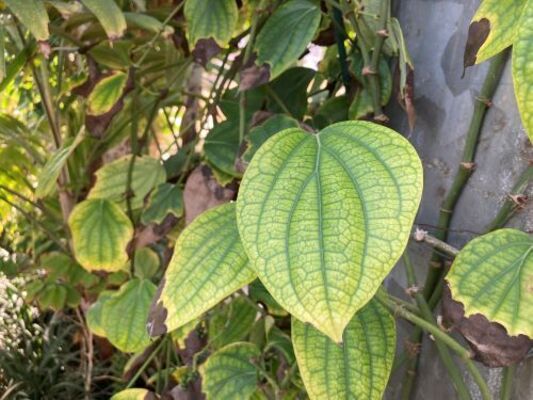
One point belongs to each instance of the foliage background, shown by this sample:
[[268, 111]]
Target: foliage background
[[436, 33]]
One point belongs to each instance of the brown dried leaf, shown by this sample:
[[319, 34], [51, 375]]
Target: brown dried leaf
[[254, 76], [203, 192], [489, 340], [477, 34], [205, 50]]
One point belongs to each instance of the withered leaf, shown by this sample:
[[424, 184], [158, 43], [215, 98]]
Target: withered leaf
[[477, 34], [205, 50], [254, 76], [489, 340]]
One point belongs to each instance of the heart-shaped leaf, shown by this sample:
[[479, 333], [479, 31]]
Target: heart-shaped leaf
[[209, 264], [165, 199], [32, 13], [100, 233], [106, 93], [501, 17], [325, 217], [286, 34], [523, 68], [112, 179], [357, 368], [211, 19], [229, 373], [492, 276], [124, 315], [109, 15], [222, 145]]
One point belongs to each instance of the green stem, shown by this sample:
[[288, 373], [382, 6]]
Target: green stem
[[145, 364], [465, 167], [340, 34], [506, 390], [446, 358], [509, 207]]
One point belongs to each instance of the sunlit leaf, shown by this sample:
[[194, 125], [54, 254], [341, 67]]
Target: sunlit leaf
[[215, 19], [32, 13], [230, 373], [357, 368], [324, 217], [124, 315], [109, 15], [112, 179], [492, 276], [286, 34], [209, 264], [106, 93], [134, 394], [100, 233], [523, 68]]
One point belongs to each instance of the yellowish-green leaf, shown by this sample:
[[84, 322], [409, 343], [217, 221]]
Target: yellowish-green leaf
[[146, 263], [109, 15], [124, 315], [2, 52], [324, 217], [112, 179], [100, 233], [32, 13], [286, 34], [164, 200], [134, 394], [209, 264], [53, 296], [230, 373], [357, 368], [51, 170], [492, 275], [215, 19], [94, 314], [502, 17], [523, 68], [106, 93]]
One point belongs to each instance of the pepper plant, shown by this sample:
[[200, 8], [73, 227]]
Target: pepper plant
[[178, 180]]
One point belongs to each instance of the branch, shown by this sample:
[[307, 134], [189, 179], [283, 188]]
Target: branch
[[421, 235]]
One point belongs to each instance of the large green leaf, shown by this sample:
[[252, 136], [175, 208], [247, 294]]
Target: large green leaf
[[230, 373], [324, 217], [106, 93], [124, 315], [523, 68], [209, 264], [165, 199], [109, 15], [492, 276], [215, 19], [100, 233], [32, 13], [286, 34], [112, 179], [357, 368], [502, 17], [51, 170]]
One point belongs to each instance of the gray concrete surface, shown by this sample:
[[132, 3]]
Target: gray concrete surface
[[436, 34]]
